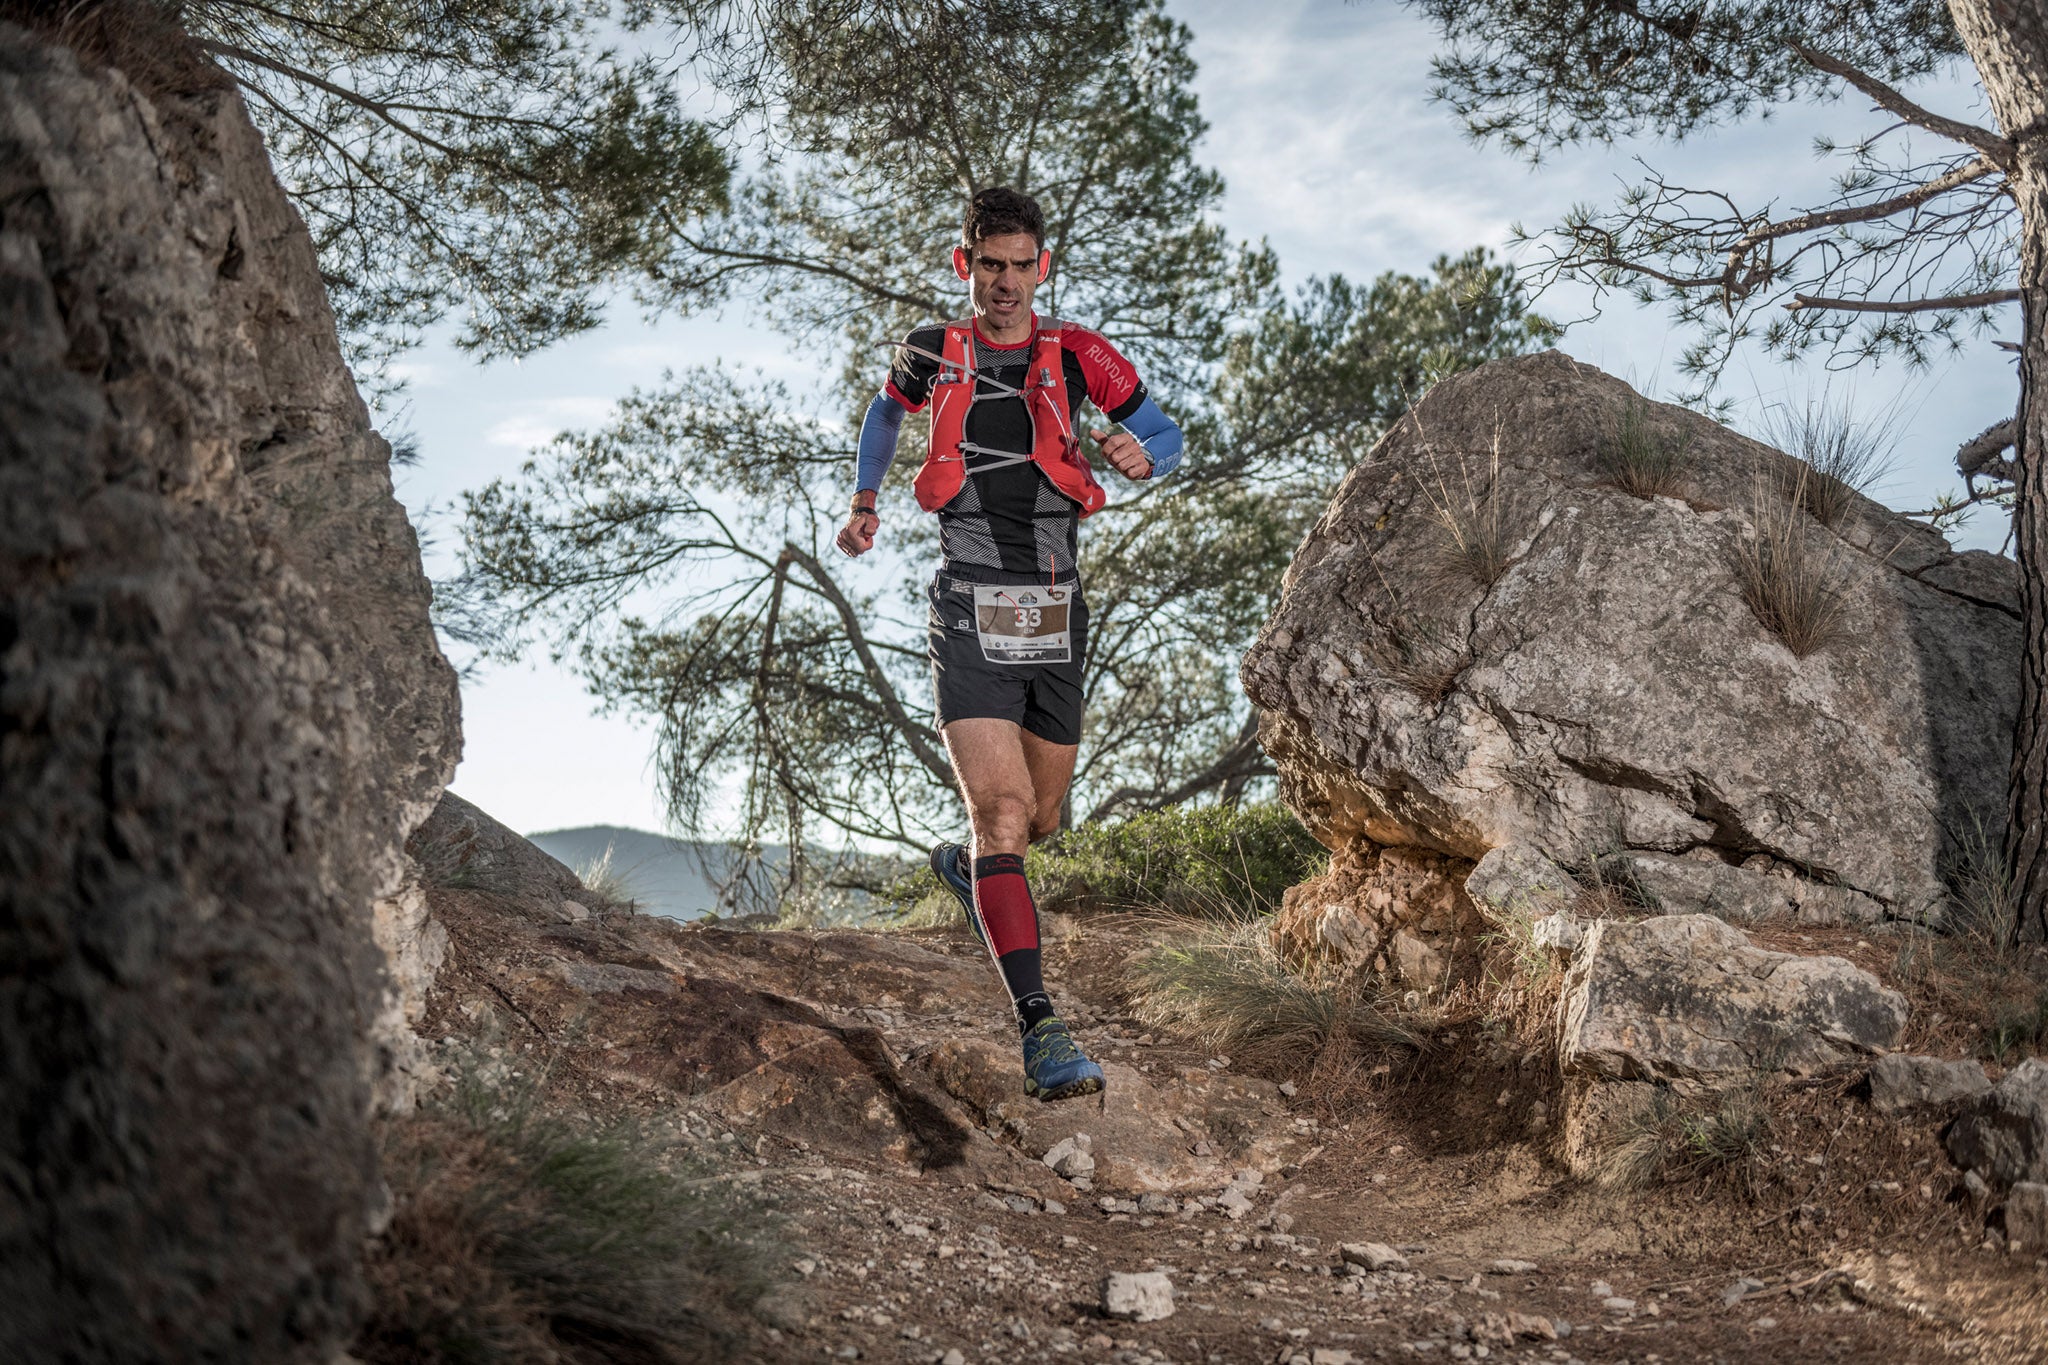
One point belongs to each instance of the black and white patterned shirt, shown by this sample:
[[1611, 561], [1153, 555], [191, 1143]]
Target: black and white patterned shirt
[[1009, 519]]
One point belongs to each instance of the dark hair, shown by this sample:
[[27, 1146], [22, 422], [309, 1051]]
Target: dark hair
[[999, 211]]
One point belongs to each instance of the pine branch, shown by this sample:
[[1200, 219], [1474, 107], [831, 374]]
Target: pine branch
[[1998, 150]]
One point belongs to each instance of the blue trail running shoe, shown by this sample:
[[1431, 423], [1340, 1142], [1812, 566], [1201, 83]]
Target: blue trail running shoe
[[1055, 1068], [947, 861]]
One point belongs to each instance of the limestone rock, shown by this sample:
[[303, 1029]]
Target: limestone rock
[[1373, 1256], [1900, 1083], [2002, 1134], [1687, 1000], [1520, 882], [1070, 1158], [1610, 690], [1401, 913], [1143, 1297], [224, 710]]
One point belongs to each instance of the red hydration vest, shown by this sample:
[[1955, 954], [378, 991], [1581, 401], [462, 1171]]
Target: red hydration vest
[[1054, 447]]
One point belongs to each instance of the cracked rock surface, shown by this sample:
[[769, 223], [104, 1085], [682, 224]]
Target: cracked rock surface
[[1610, 690], [221, 710], [1688, 1001]]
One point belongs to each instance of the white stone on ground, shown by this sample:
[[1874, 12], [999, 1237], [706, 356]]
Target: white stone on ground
[[1374, 1256], [1142, 1297]]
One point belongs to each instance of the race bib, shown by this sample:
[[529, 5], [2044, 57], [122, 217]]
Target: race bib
[[1023, 624]]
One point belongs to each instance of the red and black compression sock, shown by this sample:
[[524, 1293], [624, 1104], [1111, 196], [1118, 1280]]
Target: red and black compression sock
[[1003, 900]]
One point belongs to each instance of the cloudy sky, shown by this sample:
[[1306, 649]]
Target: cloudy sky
[[1322, 126]]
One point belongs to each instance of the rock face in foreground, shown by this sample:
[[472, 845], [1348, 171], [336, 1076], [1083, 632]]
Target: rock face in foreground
[[1610, 690], [221, 708]]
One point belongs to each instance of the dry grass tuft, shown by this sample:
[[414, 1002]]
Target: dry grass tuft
[[1640, 460], [1670, 1141], [520, 1236], [1473, 516], [1520, 981], [1421, 656], [141, 39], [1222, 984], [603, 878], [1793, 577], [1844, 458]]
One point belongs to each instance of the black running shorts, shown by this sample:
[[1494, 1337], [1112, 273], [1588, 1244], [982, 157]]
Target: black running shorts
[[1009, 651]]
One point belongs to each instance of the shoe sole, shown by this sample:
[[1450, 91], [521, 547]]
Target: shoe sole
[[1086, 1085]]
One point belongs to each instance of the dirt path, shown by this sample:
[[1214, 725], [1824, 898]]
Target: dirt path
[[920, 1227]]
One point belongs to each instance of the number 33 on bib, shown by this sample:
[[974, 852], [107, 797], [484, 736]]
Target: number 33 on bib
[[1023, 625]]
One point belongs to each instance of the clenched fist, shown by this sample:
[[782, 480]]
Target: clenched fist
[[857, 537], [1122, 450]]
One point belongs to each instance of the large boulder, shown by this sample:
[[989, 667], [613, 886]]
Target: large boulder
[[222, 709], [1610, 689]]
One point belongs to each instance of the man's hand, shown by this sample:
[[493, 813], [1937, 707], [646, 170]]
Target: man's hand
[[857, 537], [1123, 451]]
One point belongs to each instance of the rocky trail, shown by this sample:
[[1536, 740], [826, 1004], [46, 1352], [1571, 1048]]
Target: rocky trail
[[861, 1090]]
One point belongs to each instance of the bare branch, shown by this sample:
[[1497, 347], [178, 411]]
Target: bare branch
[[892, 704], [1864, 213], [1983, 449], [1984, 300]]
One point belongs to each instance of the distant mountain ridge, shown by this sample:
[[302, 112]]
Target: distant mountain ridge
[[679, 878]]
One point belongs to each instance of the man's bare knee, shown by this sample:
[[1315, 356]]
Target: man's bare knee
[[1045, 824], [1002, 821]]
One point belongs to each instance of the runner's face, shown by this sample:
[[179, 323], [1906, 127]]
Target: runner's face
[[1005, 275]]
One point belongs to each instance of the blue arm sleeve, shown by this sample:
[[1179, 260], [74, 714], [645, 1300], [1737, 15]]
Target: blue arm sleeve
[[878, 433], [1157, 433]]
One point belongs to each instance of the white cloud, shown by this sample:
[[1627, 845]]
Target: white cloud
[[536, 424]]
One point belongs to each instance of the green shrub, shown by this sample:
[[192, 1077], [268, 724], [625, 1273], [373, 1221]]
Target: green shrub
[[519, 1235], [1190, 860], [1197, 860]]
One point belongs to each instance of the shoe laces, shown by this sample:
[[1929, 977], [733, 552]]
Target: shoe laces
[[1056, 1044]]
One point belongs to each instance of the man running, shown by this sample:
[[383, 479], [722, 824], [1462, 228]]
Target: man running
[[1008, 629]]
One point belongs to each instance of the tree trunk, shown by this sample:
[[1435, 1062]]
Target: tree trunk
[[2008, 41]]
